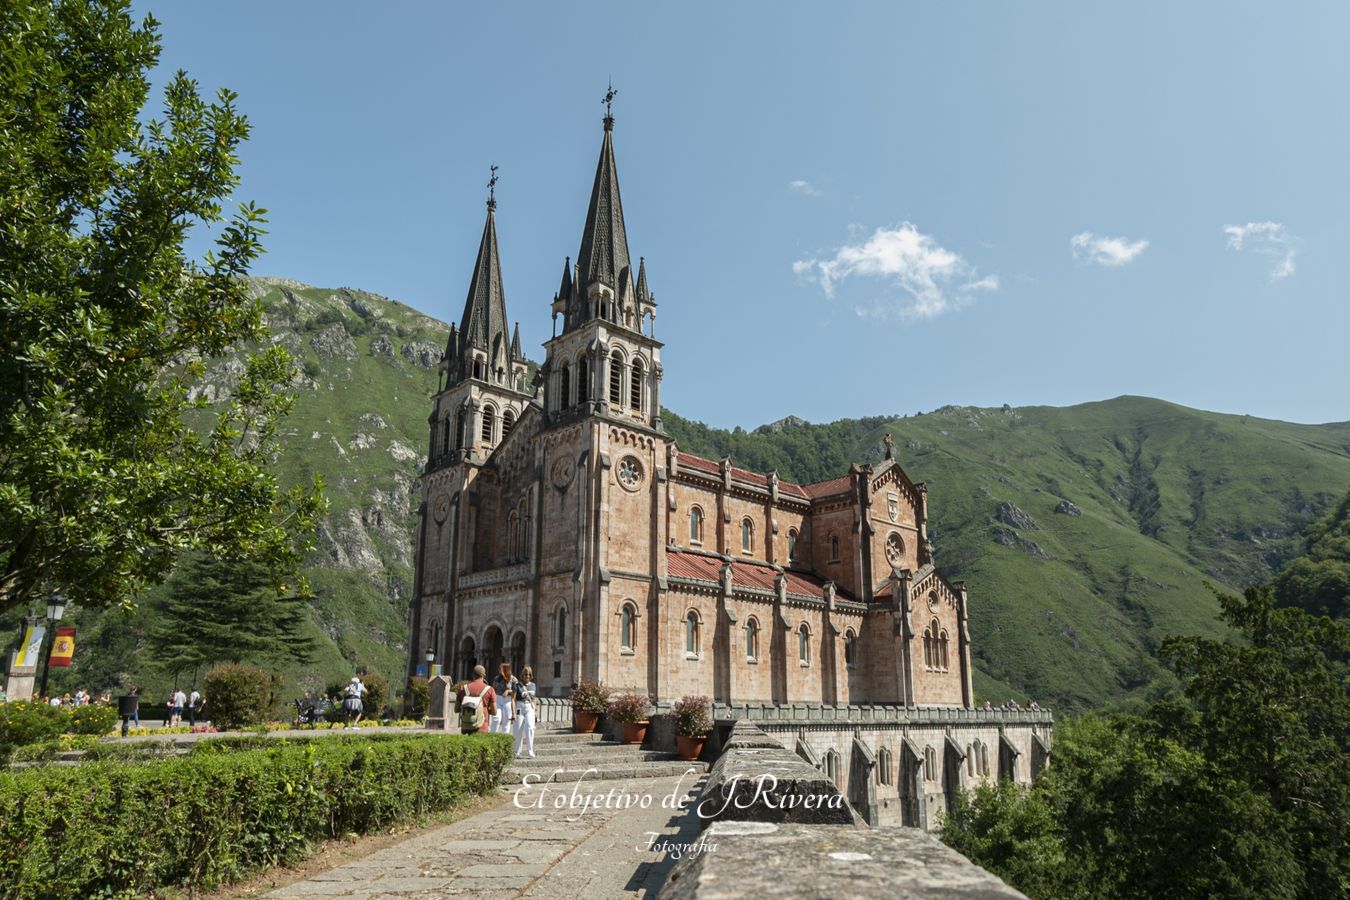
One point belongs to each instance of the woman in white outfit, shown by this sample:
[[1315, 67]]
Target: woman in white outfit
[[525, 712], [506, 686]]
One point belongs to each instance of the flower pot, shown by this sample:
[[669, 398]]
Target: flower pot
[[586, 722], [635, 732], [690, 748]]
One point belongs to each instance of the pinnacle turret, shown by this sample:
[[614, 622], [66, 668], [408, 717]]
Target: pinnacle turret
[[604, 242], [481, 336]]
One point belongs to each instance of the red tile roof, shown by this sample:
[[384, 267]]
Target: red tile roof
[[698, 462], [684, 564], [828, 488]]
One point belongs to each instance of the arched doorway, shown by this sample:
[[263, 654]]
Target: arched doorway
[[468, 657], [492, 650], [911, 786], [518, 652]]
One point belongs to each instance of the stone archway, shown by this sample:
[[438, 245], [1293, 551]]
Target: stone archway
[[951, 775], [911, 786], [492, 651], [468, 657], [517, 658]]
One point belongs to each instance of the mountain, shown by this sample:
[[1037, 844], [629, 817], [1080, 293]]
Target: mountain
[[1085, 533]]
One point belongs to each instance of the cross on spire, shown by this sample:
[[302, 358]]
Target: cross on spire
[[492, 188], [609, 104]]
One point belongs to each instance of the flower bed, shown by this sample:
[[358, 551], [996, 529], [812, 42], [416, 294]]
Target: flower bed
[[210, 818]]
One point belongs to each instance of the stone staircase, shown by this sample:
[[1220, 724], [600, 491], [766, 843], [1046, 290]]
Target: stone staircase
[[562, 756]]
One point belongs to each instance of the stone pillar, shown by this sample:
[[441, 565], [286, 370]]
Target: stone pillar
[[902, 610], [963, 647]]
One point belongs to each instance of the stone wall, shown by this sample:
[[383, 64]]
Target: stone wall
[[752, 835]]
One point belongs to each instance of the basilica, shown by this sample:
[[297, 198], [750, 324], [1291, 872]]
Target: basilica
[[562, 528]]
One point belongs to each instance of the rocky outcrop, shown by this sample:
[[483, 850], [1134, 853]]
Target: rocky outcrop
[[1006, 537], [382, 346], [419, 353], [334, 341], [1009, 514], [219, 383], [1067, 508]]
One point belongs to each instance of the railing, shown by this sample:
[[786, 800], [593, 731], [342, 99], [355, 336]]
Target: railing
[[495, 576], [554, 711], [770, 714]]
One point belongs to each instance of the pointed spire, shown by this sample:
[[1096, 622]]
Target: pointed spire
[[566, 287], [515, 345], [483, 326], [642, 292], [604, 243]]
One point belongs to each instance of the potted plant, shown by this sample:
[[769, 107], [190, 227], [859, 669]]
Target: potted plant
[[692, 724], [630, 710], [588, 704]]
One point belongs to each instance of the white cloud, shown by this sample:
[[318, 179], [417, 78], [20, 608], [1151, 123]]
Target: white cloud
[[936, 279], [805, 187], [1268, 239], [1105, 251]]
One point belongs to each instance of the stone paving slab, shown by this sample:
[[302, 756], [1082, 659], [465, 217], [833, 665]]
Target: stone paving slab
[[550, 841]]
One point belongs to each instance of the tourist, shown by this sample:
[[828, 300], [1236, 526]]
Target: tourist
[[988, 705], [352, 705], [525, 712], [136, 707], [194, 706], [168, 709], [1031, 704], [80, 697], [507, 687], [179, 701], [476, 703]]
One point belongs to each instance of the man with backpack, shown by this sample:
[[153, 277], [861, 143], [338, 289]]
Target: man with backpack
[[476, 703]]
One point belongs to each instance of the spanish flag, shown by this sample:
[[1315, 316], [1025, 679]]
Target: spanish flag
[[63, 648]]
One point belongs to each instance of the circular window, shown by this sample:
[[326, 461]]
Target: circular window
[[630, 472], [895, 548]]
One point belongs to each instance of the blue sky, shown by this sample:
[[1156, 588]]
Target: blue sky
[[846, 209]]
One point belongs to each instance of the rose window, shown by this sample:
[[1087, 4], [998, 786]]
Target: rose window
[[895, 549], [630, 472]]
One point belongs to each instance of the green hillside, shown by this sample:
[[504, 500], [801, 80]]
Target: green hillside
[[1065, 608]]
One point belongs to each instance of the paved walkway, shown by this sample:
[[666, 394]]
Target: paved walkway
[[591, 839]]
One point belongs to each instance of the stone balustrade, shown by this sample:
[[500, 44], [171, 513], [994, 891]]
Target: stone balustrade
[[761, 839], [517, 572], [798, 714]]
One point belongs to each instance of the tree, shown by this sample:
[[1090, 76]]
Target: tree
[[106, 326], [227, 611], [1319, 581]]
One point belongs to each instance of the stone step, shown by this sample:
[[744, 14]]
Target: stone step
[[607, 771]]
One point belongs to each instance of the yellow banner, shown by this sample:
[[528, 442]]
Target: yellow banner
[[30, 649]]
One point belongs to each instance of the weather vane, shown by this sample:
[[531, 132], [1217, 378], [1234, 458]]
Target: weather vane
[[492, 186], [609, 100]]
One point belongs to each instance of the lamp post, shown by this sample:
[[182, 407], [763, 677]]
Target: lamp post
[[56, 608], [431, 662]]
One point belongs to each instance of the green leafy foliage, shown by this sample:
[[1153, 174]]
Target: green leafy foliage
[[106, 327], [590, 696], [93, 719], [126, 828], [1319, 581], [628, 708], [377, 695], [23, 722], [417, 698], [1239, 789], [692, 716], [223, 610], [239, 695]]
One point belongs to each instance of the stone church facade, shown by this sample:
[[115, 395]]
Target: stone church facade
[[562, 528]]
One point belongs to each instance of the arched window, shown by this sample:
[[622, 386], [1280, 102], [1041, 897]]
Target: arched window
[[478, 369], [942, 651], [518, 652], [832, 765], [627, 616], [970, 761], [850, 648], [751, 638], [508, 422], [691, 624], [583, 380], [489, 423], [803, 645], [930, 764], [695, 525], [560, 627], [461, 427], [636, 383], [511, 537], [984, 758], [885, 766], [445, 435], [930, 651], [616, 378], [747, 536], [468, 657], [565, 389], [834, 548], [792, 544]]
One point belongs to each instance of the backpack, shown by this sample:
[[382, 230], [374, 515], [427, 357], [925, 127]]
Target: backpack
[[471, 711]]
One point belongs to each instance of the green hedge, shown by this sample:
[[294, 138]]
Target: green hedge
[[124, 828]]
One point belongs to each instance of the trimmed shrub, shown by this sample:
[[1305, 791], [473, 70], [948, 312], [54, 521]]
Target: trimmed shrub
[[239, 696], [417, 699], [590, 696], [377, 695], [692, 718], [628, 708], [25, 722], [93, 719], [126, 828]]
